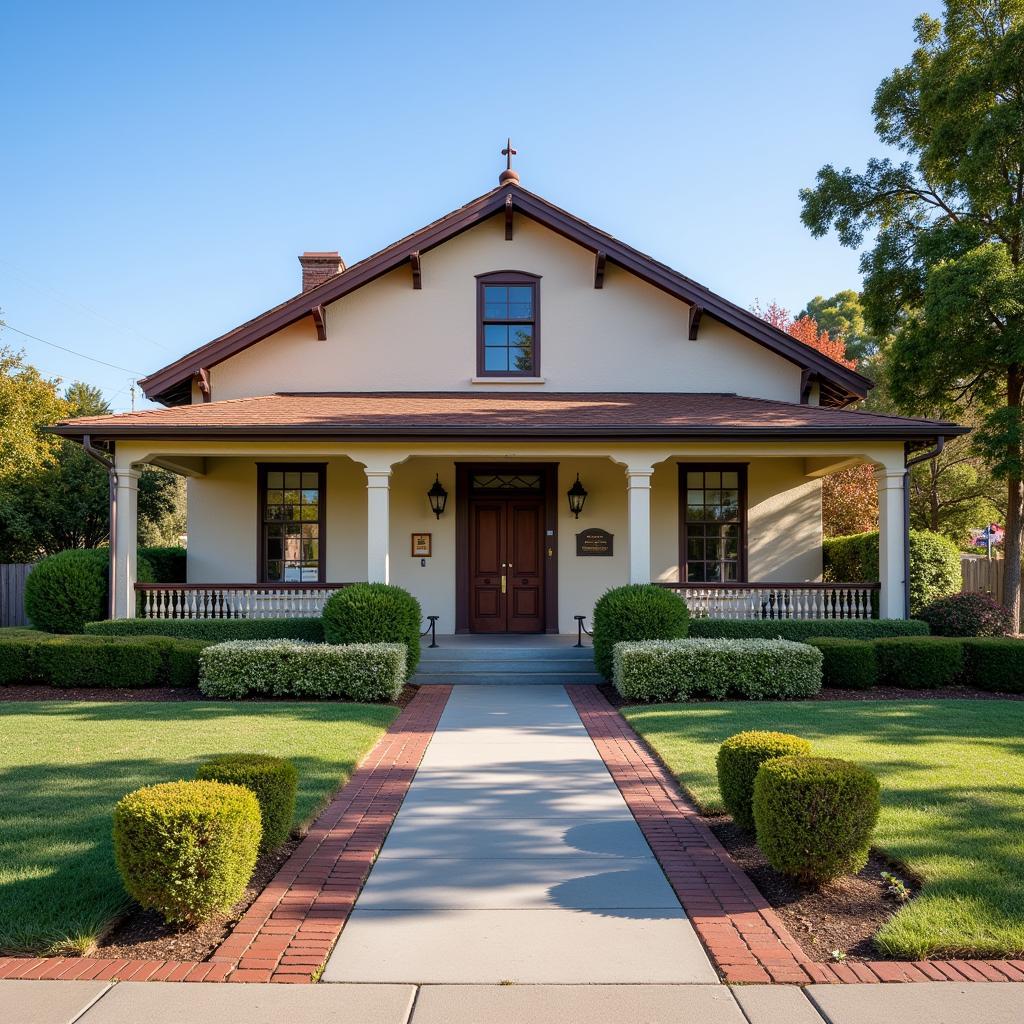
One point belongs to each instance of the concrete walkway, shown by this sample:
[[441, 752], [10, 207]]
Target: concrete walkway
[[97, 1002], [515, 859]]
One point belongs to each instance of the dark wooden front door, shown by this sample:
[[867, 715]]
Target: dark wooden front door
[[506, 564]]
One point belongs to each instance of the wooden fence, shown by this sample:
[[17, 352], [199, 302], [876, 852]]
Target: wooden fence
[[12, 594], [982, 575]]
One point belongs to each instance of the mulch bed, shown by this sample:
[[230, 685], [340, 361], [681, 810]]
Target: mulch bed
[[154, 693], [842, 915], [143, 934]]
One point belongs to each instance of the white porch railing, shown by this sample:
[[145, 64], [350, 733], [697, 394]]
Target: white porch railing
[[233, 600], [777, 600]]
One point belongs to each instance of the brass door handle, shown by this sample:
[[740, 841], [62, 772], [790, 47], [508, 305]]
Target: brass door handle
[[503, 584]]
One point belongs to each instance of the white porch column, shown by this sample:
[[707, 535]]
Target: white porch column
[[378, 524], [638, 483], [126, 531], [891, 543]]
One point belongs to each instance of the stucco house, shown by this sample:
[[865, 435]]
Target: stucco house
[[436, 414]]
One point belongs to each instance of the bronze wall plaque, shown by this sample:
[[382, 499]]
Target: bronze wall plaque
[[594, 542]]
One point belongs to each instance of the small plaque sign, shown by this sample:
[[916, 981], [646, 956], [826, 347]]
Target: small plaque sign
[[594, 542]]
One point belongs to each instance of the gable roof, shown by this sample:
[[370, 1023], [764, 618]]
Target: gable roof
[[839, 385], [431, 414]]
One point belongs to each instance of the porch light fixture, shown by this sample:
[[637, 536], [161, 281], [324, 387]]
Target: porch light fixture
[[438, 496], [577, 496]]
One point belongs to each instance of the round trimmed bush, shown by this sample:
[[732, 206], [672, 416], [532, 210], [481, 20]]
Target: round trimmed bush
[[738, 761], [273, 780], [187, 849], [815, 816], [637, 611], [373, 613], [68, 589], [847, 664], [967, 615]]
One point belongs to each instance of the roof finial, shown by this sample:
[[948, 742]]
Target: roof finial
[[508, 175]]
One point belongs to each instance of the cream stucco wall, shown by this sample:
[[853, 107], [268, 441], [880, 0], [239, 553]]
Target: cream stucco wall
[[627, 336], [784, 527]]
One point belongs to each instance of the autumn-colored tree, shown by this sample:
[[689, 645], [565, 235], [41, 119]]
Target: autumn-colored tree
[[806, 330]]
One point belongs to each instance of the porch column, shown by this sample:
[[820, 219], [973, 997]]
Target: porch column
[[125, 524], [638, 483], [891, 543], [378, 524]]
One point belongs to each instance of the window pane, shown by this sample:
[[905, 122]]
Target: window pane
[[274, 571], [310, 496], [310, 512], [275, 479], [712, 479], [730, 479], [274, 548], [291, 497], [496, 359], [712, 572], [275, 497], [695, 547], [714, 549], [292, 479], [695, 498], [694, 513], [695, 480], [695, 572], [520, 303], [520, 360], [495, 302], [729, 571], [310, 479], [495, 334]]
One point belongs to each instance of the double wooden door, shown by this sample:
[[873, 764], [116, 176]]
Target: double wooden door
[[506, 564]]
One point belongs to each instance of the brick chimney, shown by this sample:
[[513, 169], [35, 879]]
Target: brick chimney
[[318, 267]]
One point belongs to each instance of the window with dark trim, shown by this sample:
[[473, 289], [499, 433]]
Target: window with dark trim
[[713, 522], [291, 520], [508, 325]]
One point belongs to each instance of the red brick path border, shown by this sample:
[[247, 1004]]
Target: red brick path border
[[291, 927], [745, 938]]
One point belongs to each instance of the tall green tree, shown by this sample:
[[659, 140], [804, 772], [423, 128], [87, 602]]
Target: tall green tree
[[842, 315], [944, 233]]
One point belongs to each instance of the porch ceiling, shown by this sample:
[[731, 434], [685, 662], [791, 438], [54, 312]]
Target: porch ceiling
[[467, 414]]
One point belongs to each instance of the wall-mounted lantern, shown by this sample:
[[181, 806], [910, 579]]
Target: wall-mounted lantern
[[577, 497], [438, 497]]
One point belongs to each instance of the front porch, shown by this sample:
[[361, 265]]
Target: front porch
[[734, 529]]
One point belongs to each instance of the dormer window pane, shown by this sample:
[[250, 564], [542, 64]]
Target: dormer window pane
[[507, 332]]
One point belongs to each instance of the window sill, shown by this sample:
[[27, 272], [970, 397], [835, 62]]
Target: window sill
[[506, 380]]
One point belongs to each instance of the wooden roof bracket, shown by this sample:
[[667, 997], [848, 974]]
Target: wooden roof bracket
[[320, 319], [600, 259], [696, 312], [202, 378], [417, 270], [508, 217]]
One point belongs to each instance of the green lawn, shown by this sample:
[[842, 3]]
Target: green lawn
[[63, 766], [952, 775]]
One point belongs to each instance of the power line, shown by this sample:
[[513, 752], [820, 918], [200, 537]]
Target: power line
[[81, 355]]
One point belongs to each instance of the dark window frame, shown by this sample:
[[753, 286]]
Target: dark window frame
[[262, 469], [507, 278], [714, 467]]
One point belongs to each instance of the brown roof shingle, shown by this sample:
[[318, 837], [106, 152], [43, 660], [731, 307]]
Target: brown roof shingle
[[427, 414]]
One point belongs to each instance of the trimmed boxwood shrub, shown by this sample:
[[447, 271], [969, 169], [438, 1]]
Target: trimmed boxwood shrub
[[291, 668], [801, 630], [920, 663], [187, 849], [169, 564], [848, 664], [995, 663], [673, 670], [815, 815], [375, 613], [68, 589], [934, 564], [968, 615], [739, 758], [637, 611], [17, 656], [213, 630], [273, 780]]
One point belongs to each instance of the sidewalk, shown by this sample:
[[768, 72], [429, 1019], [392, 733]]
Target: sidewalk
[[88, 1002]]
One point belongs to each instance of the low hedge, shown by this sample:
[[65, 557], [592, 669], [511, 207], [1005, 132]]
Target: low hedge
[[375, 613], [847, 664], [187, 849], [77, 660], [674, 670], [274, 782], [968, 615], [738, 761], [995, 663], [213, 630], [801, 630], [814, 815], [291, 668], [919, 663], [636, 611]]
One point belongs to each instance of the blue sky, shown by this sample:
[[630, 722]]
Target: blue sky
[[163, 165]]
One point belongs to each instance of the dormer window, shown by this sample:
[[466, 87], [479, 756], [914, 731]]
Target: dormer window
[[508, 325]]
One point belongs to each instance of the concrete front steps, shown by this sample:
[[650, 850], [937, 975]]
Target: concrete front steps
[[506, 660]]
